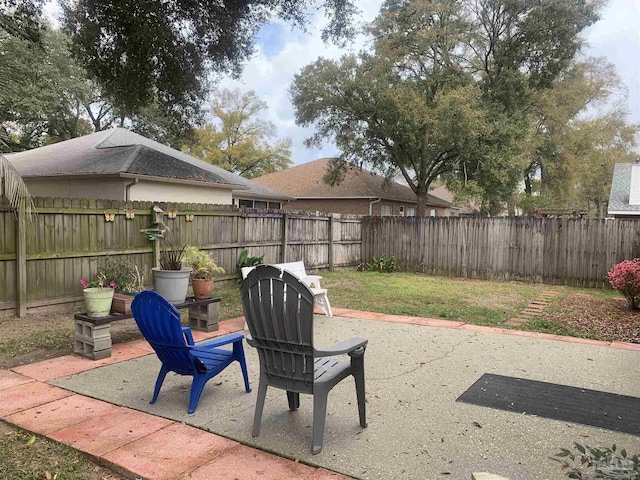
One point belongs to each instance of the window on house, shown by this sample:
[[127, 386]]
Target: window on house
[[411, 212], [257, 204], [385, 210], [433, 212]]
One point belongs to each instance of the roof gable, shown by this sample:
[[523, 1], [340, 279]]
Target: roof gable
[[307, 181], [118, 150]]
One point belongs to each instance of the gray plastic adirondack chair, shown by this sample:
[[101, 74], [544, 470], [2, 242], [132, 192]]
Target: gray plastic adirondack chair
[[278, 308]]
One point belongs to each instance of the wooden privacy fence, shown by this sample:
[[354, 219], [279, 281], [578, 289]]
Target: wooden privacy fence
[[70, 238], [576, 252]]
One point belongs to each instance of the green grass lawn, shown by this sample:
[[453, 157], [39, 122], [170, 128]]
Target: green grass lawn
[[473, 301]]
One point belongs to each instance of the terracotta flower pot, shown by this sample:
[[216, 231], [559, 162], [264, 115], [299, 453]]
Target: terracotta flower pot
[[202, 288]]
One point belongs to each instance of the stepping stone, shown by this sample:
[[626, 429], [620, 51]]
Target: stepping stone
[[486, 476], [535, 307]]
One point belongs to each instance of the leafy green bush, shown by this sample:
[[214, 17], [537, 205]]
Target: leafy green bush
[[244, 260], [380, 264], [125, 275], [605, 463], [204, 267]]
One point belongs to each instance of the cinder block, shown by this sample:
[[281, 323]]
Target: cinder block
[[205, 317], [92, 341]]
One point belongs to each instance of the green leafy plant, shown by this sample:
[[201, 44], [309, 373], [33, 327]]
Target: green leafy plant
[[204, 267], [125, 274], [244, 260], [380, 264], [608, 463], [171, 252]]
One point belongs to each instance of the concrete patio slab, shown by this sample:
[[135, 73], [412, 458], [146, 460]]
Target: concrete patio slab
[[10, 379], [60, 414], [414, 374], [249, 464], [104, 433], [169, 453], [28, 395]]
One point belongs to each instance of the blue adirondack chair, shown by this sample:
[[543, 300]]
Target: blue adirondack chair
[[159, 322]]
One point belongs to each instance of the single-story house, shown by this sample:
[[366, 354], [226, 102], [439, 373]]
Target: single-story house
[[117, 164], [624, 197], [361, 192], [461, 210]]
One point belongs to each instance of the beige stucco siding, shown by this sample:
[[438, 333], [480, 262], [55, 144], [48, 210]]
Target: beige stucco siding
[[69, 187], [175, 192], [110, 188]]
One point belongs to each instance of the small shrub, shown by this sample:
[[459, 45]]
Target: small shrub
[[625, 277], [203, 266], [244, 260], [125, 274], [380, 264], [607, 463]]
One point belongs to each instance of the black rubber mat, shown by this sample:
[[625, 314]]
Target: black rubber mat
[[559, 402]]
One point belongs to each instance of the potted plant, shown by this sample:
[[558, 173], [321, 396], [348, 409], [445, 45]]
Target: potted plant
[[128, 281], [171, 279], [98, 295], [204, 268]]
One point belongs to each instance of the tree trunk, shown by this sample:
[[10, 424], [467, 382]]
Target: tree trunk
[[421, 210]]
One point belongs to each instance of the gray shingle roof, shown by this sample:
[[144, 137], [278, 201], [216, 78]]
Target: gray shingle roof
[[118, 150], [306, 181], [620, 187]]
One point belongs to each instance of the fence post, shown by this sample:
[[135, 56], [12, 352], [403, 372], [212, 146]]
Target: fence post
[[21, 261], [285, 237], [331, 242]]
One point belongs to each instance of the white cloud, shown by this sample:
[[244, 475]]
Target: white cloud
[[271, 75]]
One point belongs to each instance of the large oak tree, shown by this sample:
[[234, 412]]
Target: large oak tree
[[446, 91]]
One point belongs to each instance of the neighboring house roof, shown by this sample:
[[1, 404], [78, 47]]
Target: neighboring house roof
[[118, 151], [305, 181], [626, 177], [443, 192]]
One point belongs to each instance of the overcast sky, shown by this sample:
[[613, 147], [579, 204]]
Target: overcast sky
[[282, 52]]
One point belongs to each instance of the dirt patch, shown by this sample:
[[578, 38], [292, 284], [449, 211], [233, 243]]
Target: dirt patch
[[47, 332], [27, 457], [606, 319]]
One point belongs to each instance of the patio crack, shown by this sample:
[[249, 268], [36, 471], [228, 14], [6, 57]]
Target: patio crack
[[428, 362]]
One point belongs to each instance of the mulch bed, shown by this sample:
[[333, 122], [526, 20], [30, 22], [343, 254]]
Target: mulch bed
[[610, 320]]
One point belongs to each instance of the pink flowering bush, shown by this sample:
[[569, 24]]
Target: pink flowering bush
[[625, 277]]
